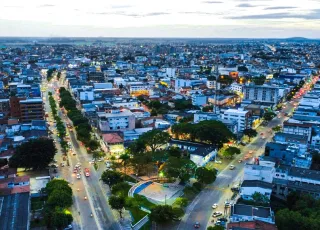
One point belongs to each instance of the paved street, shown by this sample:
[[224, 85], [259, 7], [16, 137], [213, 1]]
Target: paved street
[[91, 186], [201, 208]]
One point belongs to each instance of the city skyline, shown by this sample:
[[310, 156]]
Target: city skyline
[[140, 18]]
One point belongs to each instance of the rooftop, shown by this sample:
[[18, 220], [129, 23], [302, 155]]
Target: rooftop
[[256, 183], [248, 210]]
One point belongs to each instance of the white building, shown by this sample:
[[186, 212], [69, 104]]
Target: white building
[[249, 187], [258, 172], [240, 212], [241, 116], [236, 88], [262, 93], [116, 120], [86, 96], [180, 83], [201, 157], [171, 72]]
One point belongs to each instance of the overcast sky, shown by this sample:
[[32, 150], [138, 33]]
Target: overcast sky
[[161, 18]]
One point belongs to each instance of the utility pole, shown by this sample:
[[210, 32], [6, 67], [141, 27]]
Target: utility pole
[[216, 73]]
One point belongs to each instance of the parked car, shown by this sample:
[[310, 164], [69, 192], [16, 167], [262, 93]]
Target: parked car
[[78, 176], [222, 219], [214, 206], [218, 162], [231, 167], [216, 214]]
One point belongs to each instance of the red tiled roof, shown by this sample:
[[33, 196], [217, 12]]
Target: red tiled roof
[[253, 225], [112, 138]]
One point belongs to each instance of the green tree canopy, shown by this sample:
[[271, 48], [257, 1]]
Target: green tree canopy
[[120, 189], [34, 154], [230, 151], [179, 168], [268, 116], [60, 198], [164, 214], [154, 139], [250, 133], [111, 177], [117, 203], [61, 218], [59, 185], [206, 176]]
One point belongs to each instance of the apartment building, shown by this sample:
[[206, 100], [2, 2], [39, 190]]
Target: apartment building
[[241, 116], [261, 93], [297, 128], [116, 120], [31, 109]]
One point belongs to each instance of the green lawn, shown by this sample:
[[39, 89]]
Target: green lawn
[[144, 202]]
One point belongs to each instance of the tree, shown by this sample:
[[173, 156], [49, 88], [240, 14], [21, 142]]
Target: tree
[[120, 189], [260, 198], [174, 152], [268, 116], [59, 185], [111, 177], [230, 151], [206, 176], [179, 168], [250, 133], [125, 159], [140, 159], [93, 145], [277, 128], [154, 139], [59, 198], [181, 202], [34, 154], [217, 227], [61, 218], [117, 203], [162, 214], [98, 154]]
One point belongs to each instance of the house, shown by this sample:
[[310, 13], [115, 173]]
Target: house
[[254, 225], [113, 143], [249, 187], [258, 172], [240, 212], [200, 153]]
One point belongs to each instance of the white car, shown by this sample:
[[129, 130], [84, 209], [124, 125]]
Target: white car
[[214, 206], [216, 214], [231, 167], [218, 162], [91, 162], [78, 176], [108, 164], [62, 164]]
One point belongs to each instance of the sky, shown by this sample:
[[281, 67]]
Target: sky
[[161, 18]]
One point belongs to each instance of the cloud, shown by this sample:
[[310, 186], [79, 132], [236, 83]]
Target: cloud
[[121, 6], [122, 13], [47, 5], [245, 5], [280, 8], [212, 2], [314, 15]]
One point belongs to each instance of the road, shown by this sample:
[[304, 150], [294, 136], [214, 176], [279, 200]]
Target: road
[[91, 187], [200, 210]]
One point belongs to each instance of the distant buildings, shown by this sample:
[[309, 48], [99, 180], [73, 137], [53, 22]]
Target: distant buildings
[[116, 120], [260, 93]]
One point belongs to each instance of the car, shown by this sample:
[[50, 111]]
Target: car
[[216, 214], [100, 159], [78, 176], [235, 189], [92, 162], [231, 167], [220, 223], [214, 206], [108, 164], [222, 219], [86, 172], [196, 225], [75, 170], [263, 137], [261, 134], [240, 160], [243, 144], [62, 164], [218, 162], [69, 227], [227, 204]]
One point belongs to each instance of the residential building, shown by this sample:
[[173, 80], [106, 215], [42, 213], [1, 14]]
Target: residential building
[[298, 128], [31, 109], [261, 93], [249, 187], [199, 100], [240, 212], [241, 116], [116, 120], [113, 143], [238, 88], [258, 172]]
